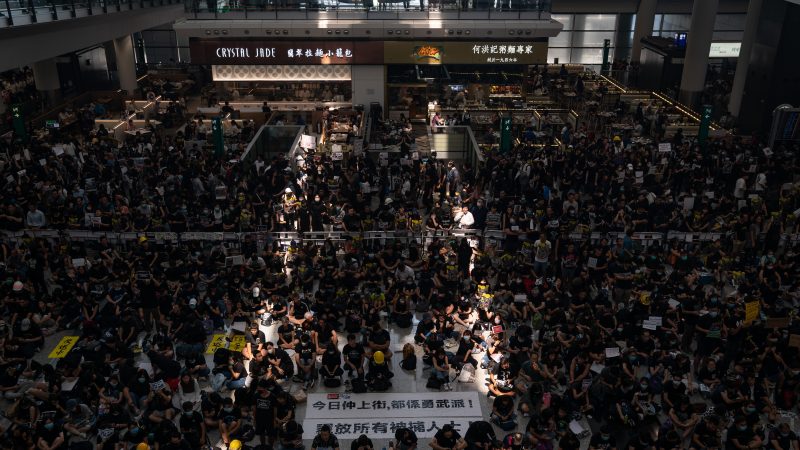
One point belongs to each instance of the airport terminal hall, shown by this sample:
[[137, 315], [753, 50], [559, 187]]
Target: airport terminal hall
[[399, 224]]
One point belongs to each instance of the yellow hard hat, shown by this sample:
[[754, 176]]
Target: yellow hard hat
[[143, 446], [378, 357], [235, 445]]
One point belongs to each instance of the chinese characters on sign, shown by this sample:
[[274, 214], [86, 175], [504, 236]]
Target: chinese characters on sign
[[502, 49], [384, 428], [423, 404], [319, 53]]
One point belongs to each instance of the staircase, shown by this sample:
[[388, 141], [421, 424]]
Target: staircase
[[448, 146]]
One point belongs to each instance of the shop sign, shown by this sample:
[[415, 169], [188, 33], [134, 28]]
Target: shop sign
[[429, 54]]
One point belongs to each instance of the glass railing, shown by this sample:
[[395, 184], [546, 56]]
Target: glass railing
[[28, 12], [378, 9]]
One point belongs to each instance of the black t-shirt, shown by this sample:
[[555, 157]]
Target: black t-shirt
[[379, 337], [446, 442], [597, 441], [353, 353], [264, 405]]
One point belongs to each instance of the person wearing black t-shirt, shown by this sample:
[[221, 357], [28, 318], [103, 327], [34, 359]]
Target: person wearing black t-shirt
[[353, 357], [448, 439], [603, 440], [192, 425], [264, 413], [783, 438], [305, 359]]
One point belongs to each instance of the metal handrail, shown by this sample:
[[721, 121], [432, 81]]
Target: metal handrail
[[27, 12]]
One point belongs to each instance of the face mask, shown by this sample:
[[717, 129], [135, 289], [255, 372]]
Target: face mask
[[784, 434], [113, 384], [713, 314], [141, 380], [208, 302], [644, 386], [620, 329], [632, 358], [742, 427], [49, 426], [605, 437], [228, 409], [751, 409], [676, 382], [466, 338]]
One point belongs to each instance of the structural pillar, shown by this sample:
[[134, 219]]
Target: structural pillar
[[126, 64], [645, 16], [743, 62], [695, 64], [45, 76]]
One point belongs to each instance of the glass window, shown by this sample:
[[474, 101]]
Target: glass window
[[729, 22], [564, 39], [600, 22], [656, 24], [727, 36], [676, 22], [591, 38], [587, 56], [561, 53], [565, 19]]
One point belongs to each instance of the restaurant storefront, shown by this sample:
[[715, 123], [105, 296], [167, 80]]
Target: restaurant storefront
[[405, 75]]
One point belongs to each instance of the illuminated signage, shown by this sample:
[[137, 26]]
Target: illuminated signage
[[428, 53], [724, 49]]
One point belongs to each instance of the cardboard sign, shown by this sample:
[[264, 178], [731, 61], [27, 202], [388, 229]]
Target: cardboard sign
[[237, 343], [63, 347], [217, 342], [751, 310]]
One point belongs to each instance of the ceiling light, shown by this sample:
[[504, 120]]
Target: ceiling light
[[285, 31], [396, 31], [330, 31], [408, 32], [511, 32], [216, 31], [208, 31], [346, 31], [338, 31], [468, 32], [390, 31], [224, 31], [528, 32]]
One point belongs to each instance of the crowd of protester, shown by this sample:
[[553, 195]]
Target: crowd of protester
[[534, 302]]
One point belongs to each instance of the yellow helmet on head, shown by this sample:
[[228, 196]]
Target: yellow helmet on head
[[378, 357], [143, 446], [235, 445]]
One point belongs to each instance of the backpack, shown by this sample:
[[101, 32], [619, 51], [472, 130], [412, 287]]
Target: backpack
[[359, 386], [380, 385], [409, 361], [332, 382], [434, 383], [423, 305]]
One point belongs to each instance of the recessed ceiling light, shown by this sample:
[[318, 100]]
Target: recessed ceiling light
[[208, 31], [330, 31], [285, 31], [390, 31]]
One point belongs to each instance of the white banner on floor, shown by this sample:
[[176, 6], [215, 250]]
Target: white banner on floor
[[376, 406], [349, 429]]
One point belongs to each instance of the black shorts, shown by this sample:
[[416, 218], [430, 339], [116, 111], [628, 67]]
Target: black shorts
[[264, 426]]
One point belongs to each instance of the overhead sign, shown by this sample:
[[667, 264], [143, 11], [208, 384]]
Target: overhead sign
[[271, 52], [263, 51], [724, 49], [484, 52]]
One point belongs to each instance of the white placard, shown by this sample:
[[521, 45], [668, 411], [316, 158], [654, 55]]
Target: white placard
[[592, 263], [664, 147], [26, 153], [673, 303], [58, 151], [391, 405], [337, 156], [157, 385], [415, 156], [78, 262], [42, 162], [358, 146], [336, 148], [656, 320], [308, 141], [724, 49], [383, 155], [348, 429], [688, 203], [597, 367], [649, 325], [612, 352]]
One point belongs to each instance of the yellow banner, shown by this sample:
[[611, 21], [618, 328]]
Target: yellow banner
[[63, 347], [237, 343], [751, 310], [217, 341]]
